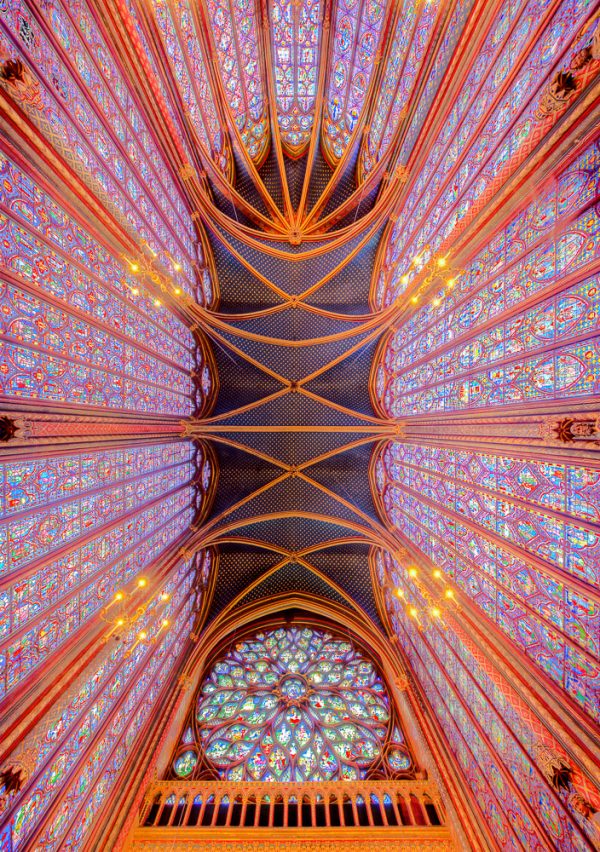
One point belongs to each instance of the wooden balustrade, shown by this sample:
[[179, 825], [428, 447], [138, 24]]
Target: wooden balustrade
[[322, 805]]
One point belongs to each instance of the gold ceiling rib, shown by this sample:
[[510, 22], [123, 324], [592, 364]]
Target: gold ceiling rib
[[304, 306], [135, 65], [204, 27], [315, 130], [378, 322], [389, 193], [218, 438], [342, 409], [238, 351], [267, 233], [267, 60], [288, 225]]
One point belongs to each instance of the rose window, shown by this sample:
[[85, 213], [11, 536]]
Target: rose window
[[292, 704]]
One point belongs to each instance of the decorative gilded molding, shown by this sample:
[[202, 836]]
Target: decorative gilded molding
[[581, 430]]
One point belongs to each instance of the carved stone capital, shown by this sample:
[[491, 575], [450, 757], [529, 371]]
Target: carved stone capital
[[184, 681], [9, 429], [581, 430], [187, 172]]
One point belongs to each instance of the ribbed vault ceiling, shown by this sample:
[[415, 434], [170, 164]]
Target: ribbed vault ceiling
[[294, 121], [261, 427]]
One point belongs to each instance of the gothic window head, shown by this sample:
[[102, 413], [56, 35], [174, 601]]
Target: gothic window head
[[292, 704]]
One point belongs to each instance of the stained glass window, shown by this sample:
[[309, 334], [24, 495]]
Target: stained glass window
[[296, 704], [178, 28], [358, 26], [79, 525], [474, 348], [475, 146], [296, 33], [114, 152], [517, 536], [74, 716], [402, 72], [235, 34], [490, 727], [112, 699], [129, 504], [77, 328]]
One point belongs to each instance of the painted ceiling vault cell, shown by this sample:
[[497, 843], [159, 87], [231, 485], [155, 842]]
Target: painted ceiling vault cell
[[299, 393]]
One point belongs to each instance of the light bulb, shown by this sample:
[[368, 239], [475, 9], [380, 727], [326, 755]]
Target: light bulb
[[413, 611], [135, 291], [165, 622], [142, 582], [177, 291], [435, 612], [441, 262], [157, 303], [449, 593], [135, 267], [412, 572], [405, 279], [437, 573], [450, 283], [436, 302], [177, 267], [142, 635], [119, 596], [400, 593]]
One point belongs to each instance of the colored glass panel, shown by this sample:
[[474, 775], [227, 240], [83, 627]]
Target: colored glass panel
[[474, 348], [474, 141], [491, 729], [517, 536], [129, 681], [235, 37], [101, 150], [296, 34], [414, 30], [356, 36], [291, 704], [177, 25]]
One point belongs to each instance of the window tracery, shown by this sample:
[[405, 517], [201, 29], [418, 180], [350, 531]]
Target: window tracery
[[473, 349], [235, 32], [516, 535], [356, 34], [488, 130], [414, 28], [490, 728], [292, 704], [112, 151], [296, 30], [178, 29]]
